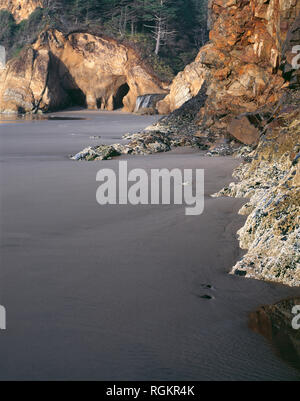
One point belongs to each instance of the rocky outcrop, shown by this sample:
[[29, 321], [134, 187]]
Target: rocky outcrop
[[77, 69], [275, 323], [241, 63], [20, 9], [271, 181], [143, 143], [25, 85], [185, 86], [252, 96]]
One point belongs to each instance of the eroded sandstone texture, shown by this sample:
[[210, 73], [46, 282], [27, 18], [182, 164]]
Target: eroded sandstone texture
[[77, 69], [271, 179], [20, 9], [253, 95], [241, 63]]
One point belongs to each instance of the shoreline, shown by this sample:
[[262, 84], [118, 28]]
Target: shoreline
[[117, 288]]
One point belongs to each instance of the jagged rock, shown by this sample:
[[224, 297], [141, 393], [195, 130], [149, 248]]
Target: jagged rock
[[76, 69], [186, 85], [241, 63], [271, 180], [25, 85], [102, 152], [244, 131], [144, 143], [139, 144], [20, 9]]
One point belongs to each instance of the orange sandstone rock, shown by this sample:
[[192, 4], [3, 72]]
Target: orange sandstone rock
[[78, 69], [240, 63]]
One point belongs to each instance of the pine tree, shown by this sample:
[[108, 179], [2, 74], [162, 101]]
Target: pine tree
[[161, 14]]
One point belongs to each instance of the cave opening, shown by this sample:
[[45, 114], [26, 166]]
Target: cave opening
[[119, 96], [77, 97]]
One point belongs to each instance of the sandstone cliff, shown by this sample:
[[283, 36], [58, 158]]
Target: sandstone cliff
[[241, 63], [77, 69], [20, 9], [270, 178], [252, 95], [271, 181]]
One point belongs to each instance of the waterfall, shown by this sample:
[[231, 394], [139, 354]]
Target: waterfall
[[148, 101]]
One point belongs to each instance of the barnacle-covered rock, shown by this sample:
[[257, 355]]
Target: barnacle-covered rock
[[271, 234]]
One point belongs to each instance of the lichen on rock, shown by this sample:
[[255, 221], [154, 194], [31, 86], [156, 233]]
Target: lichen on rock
[[143, 143], [271, 234]]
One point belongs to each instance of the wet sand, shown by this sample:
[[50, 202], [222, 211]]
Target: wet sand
[[115, 292]]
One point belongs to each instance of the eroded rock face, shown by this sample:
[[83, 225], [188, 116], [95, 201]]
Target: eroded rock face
[[78, 69], [20, 9], [243, 130], [271, 234], [271, 180], [186, 85], [25, 84], [241, 62]]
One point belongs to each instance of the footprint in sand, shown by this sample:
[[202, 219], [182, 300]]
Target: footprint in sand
[[205, 297]]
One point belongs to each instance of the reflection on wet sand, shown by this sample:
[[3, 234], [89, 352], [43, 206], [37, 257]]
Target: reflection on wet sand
[[20, 118], [274, 322]]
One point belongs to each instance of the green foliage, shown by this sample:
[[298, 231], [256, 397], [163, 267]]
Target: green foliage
[[7, 29], [16, 51], [181, 23], [162, 68], [27, 29], [15, 36]]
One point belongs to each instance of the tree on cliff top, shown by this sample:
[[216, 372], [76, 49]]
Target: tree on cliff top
[[161, 13], [168, 33]]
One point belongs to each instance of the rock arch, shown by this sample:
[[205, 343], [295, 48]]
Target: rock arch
[[76, 69]]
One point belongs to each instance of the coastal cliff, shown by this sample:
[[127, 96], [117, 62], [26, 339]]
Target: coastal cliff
[[270, 178], [77, 69], [241, 64], [253, 98], [243, 88]]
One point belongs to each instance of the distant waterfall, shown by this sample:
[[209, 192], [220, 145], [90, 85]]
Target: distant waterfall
[[148, 101]]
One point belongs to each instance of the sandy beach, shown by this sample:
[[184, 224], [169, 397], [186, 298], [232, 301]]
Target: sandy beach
[[120, 292]]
